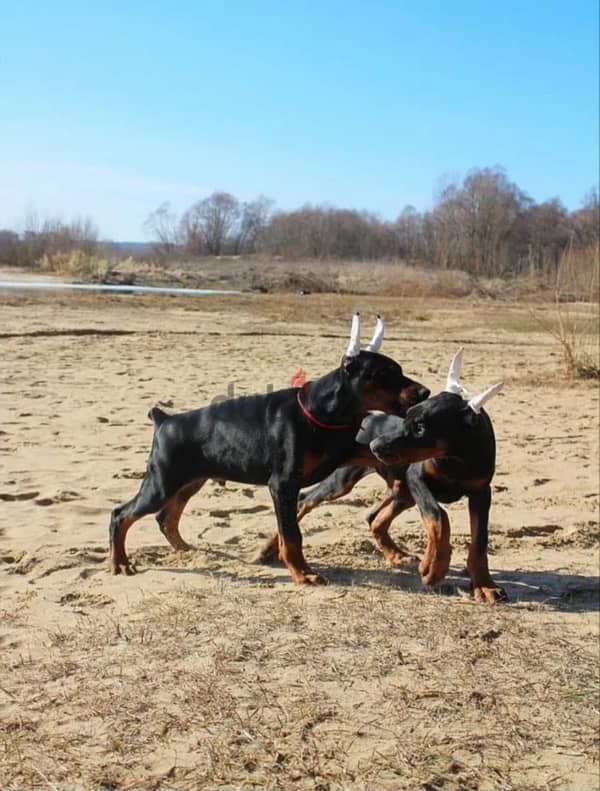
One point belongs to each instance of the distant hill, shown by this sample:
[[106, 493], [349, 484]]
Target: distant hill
[[126, 249]]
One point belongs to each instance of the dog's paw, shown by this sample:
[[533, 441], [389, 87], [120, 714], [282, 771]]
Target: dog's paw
[[309, 578], [315, 579], [434, 571], [490, 595], [402, 560], [127, 568]]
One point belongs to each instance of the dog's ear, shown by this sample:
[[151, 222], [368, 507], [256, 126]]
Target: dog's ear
[[469, 418], [476, 403]]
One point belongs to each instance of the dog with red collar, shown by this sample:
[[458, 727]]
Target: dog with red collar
[[285, 440]]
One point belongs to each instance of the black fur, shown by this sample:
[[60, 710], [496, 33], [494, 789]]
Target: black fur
[[464, 443], [265, 439]]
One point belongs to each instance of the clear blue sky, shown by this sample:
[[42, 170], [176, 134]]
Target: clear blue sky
[[107, 109]]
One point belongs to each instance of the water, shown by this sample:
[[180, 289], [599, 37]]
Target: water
[[10, 286]]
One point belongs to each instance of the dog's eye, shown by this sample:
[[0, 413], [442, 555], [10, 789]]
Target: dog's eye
[[418, 428]]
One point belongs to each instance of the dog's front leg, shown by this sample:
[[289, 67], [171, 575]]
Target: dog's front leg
[[482, 584], [436, 560], [380, 520], [285, 500]]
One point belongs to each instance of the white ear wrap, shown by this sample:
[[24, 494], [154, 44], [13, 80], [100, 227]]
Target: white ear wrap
[[477, 402], [375, 344], [453, 384], [354, 345]]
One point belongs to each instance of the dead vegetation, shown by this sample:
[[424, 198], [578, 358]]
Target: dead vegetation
[[246, 687], [575, 324], [263, 275]]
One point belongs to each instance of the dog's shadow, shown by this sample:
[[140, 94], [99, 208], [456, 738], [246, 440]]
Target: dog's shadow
[[565, 592]]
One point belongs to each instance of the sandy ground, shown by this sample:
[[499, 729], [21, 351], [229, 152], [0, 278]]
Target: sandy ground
[[205, 670]]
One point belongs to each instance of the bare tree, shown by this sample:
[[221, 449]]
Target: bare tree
[[163, 225], [471, 225], [10, 244], [324, 232], [540, 238], [206, 226], [254, 218], [586, 221], [53, 235], [409, 231]]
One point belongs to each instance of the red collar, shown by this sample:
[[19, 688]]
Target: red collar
[[313, 419]]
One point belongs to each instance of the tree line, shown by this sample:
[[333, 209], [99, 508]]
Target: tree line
[[46, 238], [485, 225]]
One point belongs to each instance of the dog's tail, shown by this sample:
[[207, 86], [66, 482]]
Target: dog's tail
[[157, 416]]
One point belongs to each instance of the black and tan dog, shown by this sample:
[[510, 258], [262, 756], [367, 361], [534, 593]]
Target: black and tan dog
[[459, 436], [285, 440]]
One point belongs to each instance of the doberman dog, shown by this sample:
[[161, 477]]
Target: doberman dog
[[459, 437], [285, 439]]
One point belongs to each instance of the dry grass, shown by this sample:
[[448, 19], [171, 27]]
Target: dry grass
[[394, 278], [77, 265], [247, 687], [575, 324]]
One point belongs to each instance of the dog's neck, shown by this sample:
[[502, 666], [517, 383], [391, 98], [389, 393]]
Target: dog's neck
[[474, 453], [331, 401]]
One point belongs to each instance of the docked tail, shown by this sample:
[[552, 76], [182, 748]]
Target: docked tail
[[157, 416]]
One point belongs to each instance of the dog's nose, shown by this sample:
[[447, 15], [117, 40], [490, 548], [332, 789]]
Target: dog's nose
[[424, 393]]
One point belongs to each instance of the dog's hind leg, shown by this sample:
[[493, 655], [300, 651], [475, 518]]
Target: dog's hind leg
[[170, 514]]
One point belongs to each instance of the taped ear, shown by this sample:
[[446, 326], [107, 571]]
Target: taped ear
[[453, 384], [477, 402], [353, 349], [377, 340], [469, 418]]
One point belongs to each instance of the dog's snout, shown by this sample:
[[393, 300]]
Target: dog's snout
[[414, 394]]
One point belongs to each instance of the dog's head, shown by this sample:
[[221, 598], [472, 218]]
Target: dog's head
[[377, 381], [433, 426]]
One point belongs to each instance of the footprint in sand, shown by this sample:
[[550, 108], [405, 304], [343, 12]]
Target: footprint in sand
[[88, 554], [532, 530], [79, 600], [9, 498], [136, 475], [226, 512], [26, 562], [60, 497], [12, 556]]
